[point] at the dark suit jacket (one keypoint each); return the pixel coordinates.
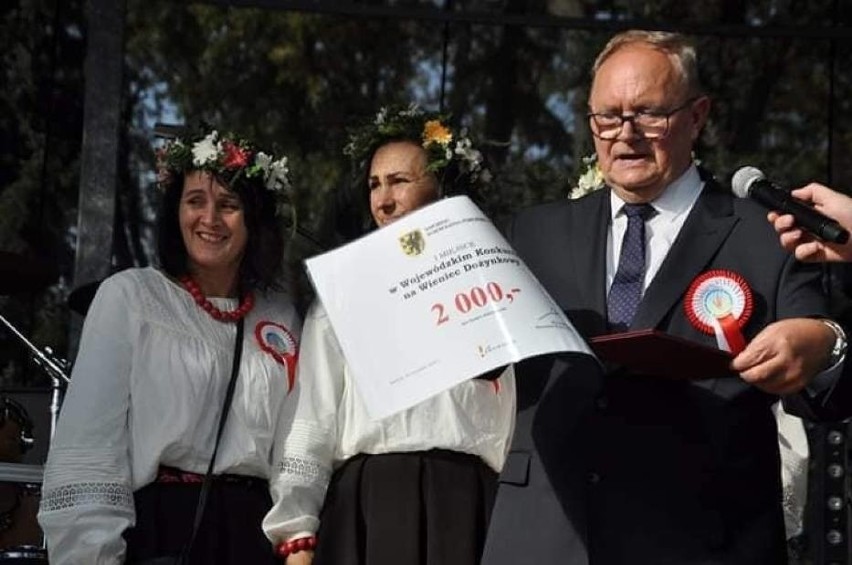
(622, 469)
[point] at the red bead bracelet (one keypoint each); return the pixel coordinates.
(286, 548)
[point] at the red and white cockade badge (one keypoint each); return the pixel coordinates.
(278, 341)
(719, 303)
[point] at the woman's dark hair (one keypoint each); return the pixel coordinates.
(263, 260)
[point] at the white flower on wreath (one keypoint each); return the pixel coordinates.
(277, 175)
(590, 180)
(412, 110)
(471, 158)
(206, 151)
(276, 179)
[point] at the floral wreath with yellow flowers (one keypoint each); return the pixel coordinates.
(229, 157)
(442, 146)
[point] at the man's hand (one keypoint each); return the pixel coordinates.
(784, 357)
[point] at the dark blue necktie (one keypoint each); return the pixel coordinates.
(626, 289)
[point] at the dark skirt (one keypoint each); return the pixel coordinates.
(230, 533)
(421, 508)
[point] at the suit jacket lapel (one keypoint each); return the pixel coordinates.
(704, 231)
(589, 227)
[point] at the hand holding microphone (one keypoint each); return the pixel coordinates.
(813, 222)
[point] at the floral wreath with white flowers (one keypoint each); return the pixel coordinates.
(442, 146)
(229, 157)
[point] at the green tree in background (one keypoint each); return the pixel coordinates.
(42, 47)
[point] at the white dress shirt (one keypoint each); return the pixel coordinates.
(672, 208)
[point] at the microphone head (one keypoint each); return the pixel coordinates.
(744, 178)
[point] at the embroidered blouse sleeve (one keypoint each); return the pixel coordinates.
(87, 497)
(303, 460)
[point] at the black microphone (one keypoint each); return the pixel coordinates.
(751, 182)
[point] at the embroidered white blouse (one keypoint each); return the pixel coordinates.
(146, 390)
(332, 424)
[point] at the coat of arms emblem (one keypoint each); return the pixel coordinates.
(412, 243)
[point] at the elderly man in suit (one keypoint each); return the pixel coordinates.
(613, 467)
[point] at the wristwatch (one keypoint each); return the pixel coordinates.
(838, 352)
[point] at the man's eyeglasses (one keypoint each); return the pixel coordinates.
(648, 124)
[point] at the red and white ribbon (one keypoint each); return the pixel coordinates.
(279, 342)
(719, 303)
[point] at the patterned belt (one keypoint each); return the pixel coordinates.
(174, 475)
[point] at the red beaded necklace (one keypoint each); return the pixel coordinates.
(246, 304)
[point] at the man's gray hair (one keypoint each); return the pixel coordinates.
(679, 49)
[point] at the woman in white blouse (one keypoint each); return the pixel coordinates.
(139, 422)
(415, 488)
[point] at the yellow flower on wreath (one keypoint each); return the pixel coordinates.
(442, 146)
(436, 132)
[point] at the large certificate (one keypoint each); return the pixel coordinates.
(431, 300)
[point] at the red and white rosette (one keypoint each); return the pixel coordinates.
(719, 303)
(279, 342)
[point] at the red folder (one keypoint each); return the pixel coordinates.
(654, 353)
